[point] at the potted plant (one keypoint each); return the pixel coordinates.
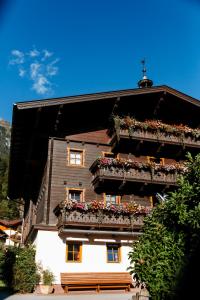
(47, 281)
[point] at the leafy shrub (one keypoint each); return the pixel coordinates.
(25, 275)
(8, 262)
(166, 258)
(19, 269)
(47, 277)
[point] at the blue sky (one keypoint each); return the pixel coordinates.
(52, 48)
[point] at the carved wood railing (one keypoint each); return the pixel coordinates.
(98, 220)
(156, 136)
(150, 176)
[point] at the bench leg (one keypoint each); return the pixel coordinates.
(98, 288)
(66, 289)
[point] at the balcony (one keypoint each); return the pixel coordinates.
(128, 130)
(119, 173)
(96, 215)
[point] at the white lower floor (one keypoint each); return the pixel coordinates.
(52, 252)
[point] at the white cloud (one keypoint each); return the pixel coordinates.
(34, 53)
(17, 57)
(51, 68)
(47, 54)
(17, 53)
(34, 70)
(39, 67)
(42, 85)
(22, 72)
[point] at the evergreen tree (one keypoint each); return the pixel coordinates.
(166, 258)
(8, 209)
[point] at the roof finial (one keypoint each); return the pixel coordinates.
(144, 68)
(144, 82)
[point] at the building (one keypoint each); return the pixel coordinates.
(89, 168)
(10, 232)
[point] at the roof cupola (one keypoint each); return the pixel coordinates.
(144, 82)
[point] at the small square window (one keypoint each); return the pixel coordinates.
(75, 157)
(112, 199)
(113, 253)
(156, 160)
(75, 195)
(73, 252)
(109, 155)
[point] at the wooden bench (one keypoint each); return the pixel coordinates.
(98, 280)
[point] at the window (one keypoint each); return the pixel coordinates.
(75, 157)
(156, 160)
(109, 154)
(74, 252)
(153, 200)
(112, 199)
(113, 253)
(75, 195)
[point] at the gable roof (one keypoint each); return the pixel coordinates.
(105, 95)
(35, 121)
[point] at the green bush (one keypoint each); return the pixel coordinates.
(47, 277)
(2, 258)
(25, 275)
(8, 262)
(19, 269)
(166, 258)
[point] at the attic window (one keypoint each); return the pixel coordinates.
(75, 157)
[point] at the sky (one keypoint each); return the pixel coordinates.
(55, 48)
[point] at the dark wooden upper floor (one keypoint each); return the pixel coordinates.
(34, 122)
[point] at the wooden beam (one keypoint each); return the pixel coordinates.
(47, 204)
(143, 186)
(180, 152)
(58, 117)
(165, 188)
(115, 107)
(122, 185)
(160, 146)
(157, 107)
(138, 146)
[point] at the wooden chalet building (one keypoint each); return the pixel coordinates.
(89, 168)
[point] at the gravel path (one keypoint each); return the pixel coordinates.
(70, 296)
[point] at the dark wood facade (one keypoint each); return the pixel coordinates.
(44, 132)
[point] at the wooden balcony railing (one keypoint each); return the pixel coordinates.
(128, 170)
(157, 136)
(135, 175)
(154, 131)
(75, 218)
(102, 218)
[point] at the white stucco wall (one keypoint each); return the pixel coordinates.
(51, 253)
(9, 232)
